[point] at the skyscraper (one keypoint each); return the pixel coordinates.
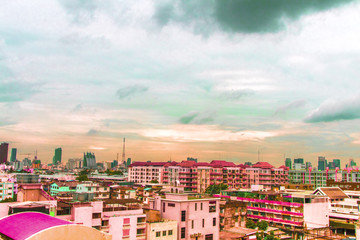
(4, 147)
(299, 160)
(89, 160)
(337, 163)
(288, 162)
(13, 155)
(57, 156)
(322, 163)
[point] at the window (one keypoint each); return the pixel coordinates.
(170, 232)
(203, 222)
(192, 224)
(195, 206)
(96, 215)
(214, 221)
(163, 207)
(157, 234)
(164, 233)
(209, 237)
(201, 206)
(183, 232)
(126, 232)
(171, 204)
(183, 216)
(126, 221)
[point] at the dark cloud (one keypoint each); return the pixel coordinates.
(330, 111)
(245, 16)
(92, 132)
(130, 91)
(197, 118)
(81, 11)
(236, 94)
(293, 105)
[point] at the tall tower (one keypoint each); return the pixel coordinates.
(13, 155)
(4, 148)
(123, 153)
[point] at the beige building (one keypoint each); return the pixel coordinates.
(164, 230)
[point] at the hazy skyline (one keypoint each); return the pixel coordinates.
(215, 79)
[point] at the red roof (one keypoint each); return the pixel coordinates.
(262, 165)
(140, 164)
(222, 163)
(20, 226)
(186, 164)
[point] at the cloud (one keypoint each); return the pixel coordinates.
(92, 132)
(11, 91)
(293, 105)
(236, 94)
(6, 122)
(197, 118)
(130, 91)
(81, 11)
(245, 16)
(336, 110)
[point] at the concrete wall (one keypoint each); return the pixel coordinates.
(316, 215)
(83, 215)
(72, 231)
(153, 228)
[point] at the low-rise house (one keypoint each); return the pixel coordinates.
(158, 228)
(197, 216)
(100, 191)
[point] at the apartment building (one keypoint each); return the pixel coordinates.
(123, 219)
(197, 177)
(197, 217)
(6, 190)
(146, 172)
(290, 210)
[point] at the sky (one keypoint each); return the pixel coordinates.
(238, 80)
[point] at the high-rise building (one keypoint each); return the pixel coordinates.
(128, 162)
(337, 163)
(4, 147)
(57, 156)
(322, 163)
(288, 162)
(13, 155)
(299, 160)
(89, 160)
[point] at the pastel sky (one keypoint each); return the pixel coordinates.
(212, 79)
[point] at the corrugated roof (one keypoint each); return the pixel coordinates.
(23, 225)
(331, 192)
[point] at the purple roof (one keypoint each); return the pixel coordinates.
(23, 225)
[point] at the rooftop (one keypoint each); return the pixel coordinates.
(23, 225)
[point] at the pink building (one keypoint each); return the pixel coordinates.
(196, 177)
(122, 218)
(198, 218)
(145, 172)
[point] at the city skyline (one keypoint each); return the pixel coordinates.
(213, 83)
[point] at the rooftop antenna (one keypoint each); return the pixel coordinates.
(36, 154)
(123, 154)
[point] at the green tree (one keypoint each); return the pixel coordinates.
(250, 224)
(216, 188)
(263, 225)
(82, 178)
(154, 181)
